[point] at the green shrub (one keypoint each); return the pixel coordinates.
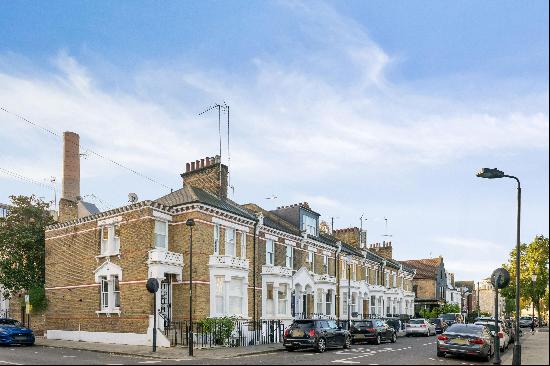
(219, 328)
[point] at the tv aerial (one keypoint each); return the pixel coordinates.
(132, 197)
(386, 234)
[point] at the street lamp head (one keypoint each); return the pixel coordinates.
(490, 173)
(190, 222)
(534, 277)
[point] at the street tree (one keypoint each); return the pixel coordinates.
(22, 247)
(533, 260)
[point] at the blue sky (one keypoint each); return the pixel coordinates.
(380, 108)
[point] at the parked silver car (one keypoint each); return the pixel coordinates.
(501, 332)
(466, 339)
(419, 326)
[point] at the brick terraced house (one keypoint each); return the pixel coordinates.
(282, 264)
(430, 283)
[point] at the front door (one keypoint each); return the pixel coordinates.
(166, 300)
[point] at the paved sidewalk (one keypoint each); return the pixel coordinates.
(534, 349)
(172, 353)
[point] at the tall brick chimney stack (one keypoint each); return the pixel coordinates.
(208, 174)
(70, 189)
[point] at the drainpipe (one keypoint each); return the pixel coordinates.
(337, 256)
(254, 273)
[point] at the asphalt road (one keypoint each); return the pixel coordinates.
(407, 351)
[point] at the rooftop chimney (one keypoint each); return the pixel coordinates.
(208, 174)
(70, 188)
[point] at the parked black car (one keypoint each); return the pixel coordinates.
(452, 318)
(372, 331)
(395, 323)
(319, 334)
(440, 325)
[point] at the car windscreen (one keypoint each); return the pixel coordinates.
(362, 324)
(491, 326)
(417, 321)
(465, 329)
(9, 323)
(448, 316)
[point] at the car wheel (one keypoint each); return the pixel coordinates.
(321, 345)
(378, 339)
(347, 343)
(394, 338)
(440, 354)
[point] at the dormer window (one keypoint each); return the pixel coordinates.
(309, 225)
(161, 234)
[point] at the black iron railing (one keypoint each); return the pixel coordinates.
(214, 333)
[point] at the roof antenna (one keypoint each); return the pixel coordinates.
(386, 234)
(225, 108)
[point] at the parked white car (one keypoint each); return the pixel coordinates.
(502, 334)
(419, 326)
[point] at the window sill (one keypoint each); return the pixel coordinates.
(106, 255)
(108, 312)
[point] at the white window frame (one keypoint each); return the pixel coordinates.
(216, 239)
(270, 252)
(319, 296)
(325, 264)
(104, 293)
(354, 272)
(282, 305)
(367, 273)
(289, 257)
(328, 302)
(161, 246)
(230, 242)
(219, 287)
(236, 295)
(109, 299)
(111, 244)
(311, 260)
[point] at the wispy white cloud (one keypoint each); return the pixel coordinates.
(295, 121)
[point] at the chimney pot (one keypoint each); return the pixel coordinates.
(187, 167)
(207, 161)
(202, 163)
(198, 164)
(192, 165)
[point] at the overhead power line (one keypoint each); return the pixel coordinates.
(34, 124)
(26, 179)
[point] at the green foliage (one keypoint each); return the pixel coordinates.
(533, 260)
(37, 297)
(220, 328)
(437, 311)
(22, 245)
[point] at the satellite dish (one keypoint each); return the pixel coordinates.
(132, 197)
